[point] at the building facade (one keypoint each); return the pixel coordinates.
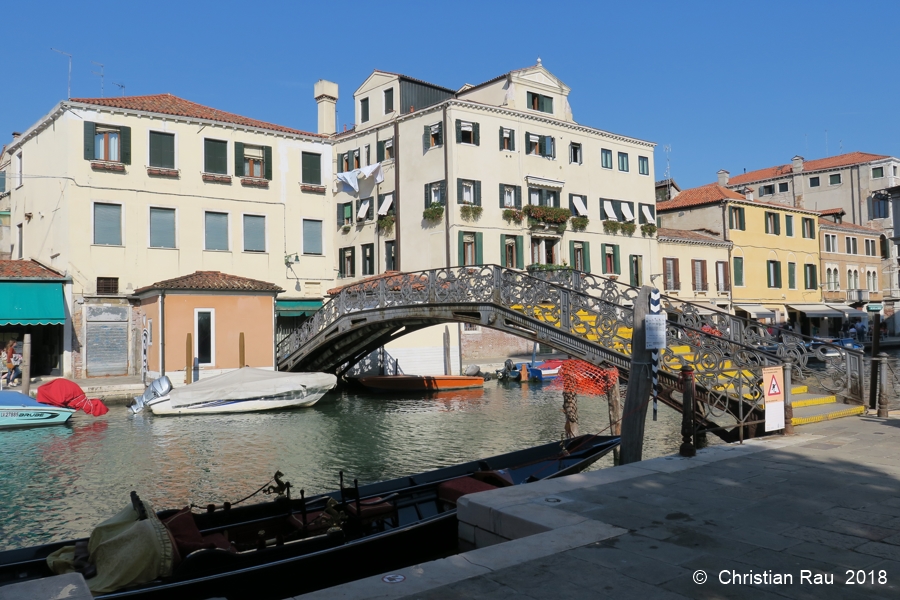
(695, 267)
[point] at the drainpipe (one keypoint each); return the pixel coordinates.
(859, 196)
(396, 202)
(162, 333)
(446, 185)
(852, 198)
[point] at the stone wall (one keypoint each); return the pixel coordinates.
(485, 343)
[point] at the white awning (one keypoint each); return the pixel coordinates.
(363, 210)
(609, 210)
(386, 204)
(626, 211)
(466, 126)
(756, 311)
(849, 310)
(544, 182)
(816, 310)
(579, 206)
(647, 214)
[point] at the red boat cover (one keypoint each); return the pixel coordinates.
(62, 392)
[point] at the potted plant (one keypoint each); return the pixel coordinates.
(648, 229)
(433, 213)
(513, 215)
(345, 228)
(470, 212)
(628, 228)
(386, 223)
(611, 227)
(550, 215)
(579, 223)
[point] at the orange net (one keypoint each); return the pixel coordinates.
(582, 377)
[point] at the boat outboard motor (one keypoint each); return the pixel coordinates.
(157, 389)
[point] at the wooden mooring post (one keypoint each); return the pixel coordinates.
(26, 364)
(188, 358)
(241, 360)
(876, 344)
(883, 411)
(637, 397)
(614, 399)
(687, 413)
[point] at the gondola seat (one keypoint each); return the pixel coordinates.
(370, 508)
(187, 538)
(451, 491)
(315, 522)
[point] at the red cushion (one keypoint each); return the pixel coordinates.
(370, 507)
(186, 534)
(314, 520)
(453, 490)
(219, 541)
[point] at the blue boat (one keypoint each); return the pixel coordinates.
(19, 410)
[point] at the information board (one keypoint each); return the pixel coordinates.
(655, 327)
(773, 390)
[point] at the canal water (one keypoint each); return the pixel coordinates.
(59, 482)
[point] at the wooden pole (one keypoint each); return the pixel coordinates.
(188, 359)
(614, 399)
(883, 411)
(639, 383)
(243, 363)
(687, 412)
(447, 350)
(26, 364)
(876, 343)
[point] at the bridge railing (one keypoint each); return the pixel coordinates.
(816, 363)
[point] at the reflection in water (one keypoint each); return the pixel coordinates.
(59, 482)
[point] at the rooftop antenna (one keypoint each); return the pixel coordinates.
(69, 86)
(121, 85)
(840, 146)
(667, 149)
(100, 74)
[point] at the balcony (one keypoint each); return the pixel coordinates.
(857, 296)
(834, 295)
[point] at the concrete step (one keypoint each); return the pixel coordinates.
(825, 412)
(802, 400)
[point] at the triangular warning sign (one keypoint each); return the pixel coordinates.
(774, 389)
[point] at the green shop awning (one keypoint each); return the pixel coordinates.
(297, 308)
(31, 303)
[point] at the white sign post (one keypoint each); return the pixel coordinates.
(655, 327)
(773, 390)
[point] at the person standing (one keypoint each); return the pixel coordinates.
(13, 363)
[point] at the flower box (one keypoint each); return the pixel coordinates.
(161, 172)
(254, 182)
(101, 165)
(214, 178)
(312, 189)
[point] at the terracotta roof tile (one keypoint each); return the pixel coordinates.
(22, 269)
(685, 234)
(394, 279)
(168, 104)
(698, 196)
(819, 164)
(848, 226)
(832, 211)
(212, 281)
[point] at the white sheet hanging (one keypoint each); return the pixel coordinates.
(350, 178)
(363, 210)
(579, 206)
(626, 211)
(386, 204)
(609, 210)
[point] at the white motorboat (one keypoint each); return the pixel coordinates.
(19, 410)
(241, 390)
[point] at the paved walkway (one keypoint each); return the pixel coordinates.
(822, 504)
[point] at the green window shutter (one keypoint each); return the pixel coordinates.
(631, 269)
(512, 139)
(2, 181)
(572, 203)
(806, 281)
(425, 139)
(427, 195)
(603, 257)
(311, 168)
(125, 141)
(353, 261)
(501, 138)
(379, 151)
(267, 162)
(479, 254)
(340, 214)
(617, 268)
(238, 159)
(815, 279)
(459, 190)
(778, 274)
(738, 271)
(767, 223)
(503, 251)
(461, 248)
(586, 248)
(789, 225)
(572, 253)
(444, 192)
(730, 218)
(520, 254)
(812, 229)
(777, 224)
(519, 197)
(528, 143)
(458, 131)
(542, 145)
(556, 199)
(476, 134)
(340, 163)
(502, 195)
(440, 137)
(90, 130)
(477, 193)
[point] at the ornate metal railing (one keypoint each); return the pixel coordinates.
(818, 364)
(598, 312)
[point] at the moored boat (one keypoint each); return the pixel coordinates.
(19, 410)
(295, 545)
(545, 371)
(420, 383)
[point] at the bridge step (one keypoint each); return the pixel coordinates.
(802, 400)
(825, 412)
(799, 389)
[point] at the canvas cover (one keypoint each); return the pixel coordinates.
(247, 383)
(62, 392)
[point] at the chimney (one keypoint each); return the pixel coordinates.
(326, 95)
(16, 134)
(723, 177)
(797, 164)
(748, 193)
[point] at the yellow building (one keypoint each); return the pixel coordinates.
(774, 258)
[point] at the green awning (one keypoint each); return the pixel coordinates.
(297, 308)
(31, 303)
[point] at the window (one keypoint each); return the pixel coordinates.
(365, 209)
(880, 206)
(107, 224)
(254, 160)
(216, 224)
(575, 153)
(2, 182)
(870, 247)
(809, 228)
(792, 276)
(877, 172)
(623, 161)
(507, 139)
(647, 213)
(894, 170)
(107, 286)
(385, 204)
(468, 192)
(766, 190)
(544, 251)
(20, 241)
(773, 223)
(215, 157)
(872, 281)
(834, 179)
(512, 251)
(467, 133)
(773, 272)
(162, 227)
(832, 282)
(617, 210)
(364, 110)
(670, 274)
(311, 168)
(353, 159)
(610, 253)
(636, 270)
(851, 245)
(388, 100)
(578, 205)
(470, 252)
(736, 218)
(643, 165)
(722, 277)
(578, 256)
(254, 233)
(539, 102)
(469, 249)
(435, 193)
(809, 277)
(543, 197)
(433, 136)
(698, 275)
(162, 150)
(830, 242)
(204, 334)
(606, 158)
(789, 225)
(312, 237)
(106, 143)
(852, 279)
(813, 182)
(368, 259)
(540, 145)
(738, 271)
(390, 257)
(20, 176)
(782, 187)
(533, 143)
(510, 196)
(347, 262)
(344, 213)
(385, 150)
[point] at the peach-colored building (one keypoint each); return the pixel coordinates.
(214, 308)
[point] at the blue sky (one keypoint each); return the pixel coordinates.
(723, 84)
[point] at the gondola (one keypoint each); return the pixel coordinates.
(289, 546)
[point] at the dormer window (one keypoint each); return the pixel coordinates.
(364, 110)
(540, 102)
(388, 100)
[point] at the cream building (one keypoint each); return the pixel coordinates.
(694, 267)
